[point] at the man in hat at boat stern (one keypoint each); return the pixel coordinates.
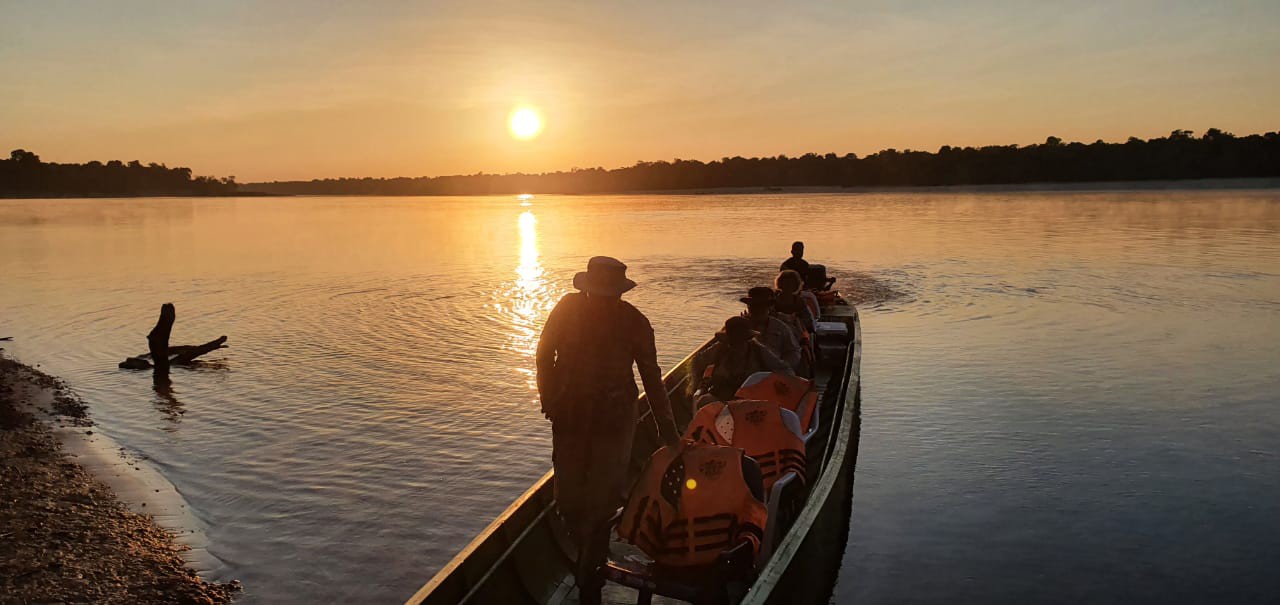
(588, 391)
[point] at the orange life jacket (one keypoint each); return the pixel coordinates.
(757, 428)
(791, 392)
(691, 504)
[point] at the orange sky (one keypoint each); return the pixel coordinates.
(299, 90)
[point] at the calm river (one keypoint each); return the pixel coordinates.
(1068, 396)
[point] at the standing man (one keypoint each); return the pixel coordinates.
(797, 262)
(588, 391)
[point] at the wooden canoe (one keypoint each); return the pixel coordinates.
(523, 556)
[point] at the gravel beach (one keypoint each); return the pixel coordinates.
(64, 536)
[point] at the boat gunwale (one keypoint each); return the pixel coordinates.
(792, 541)
(492, 530)
(489, 531)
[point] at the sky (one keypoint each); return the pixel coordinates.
(283, 90)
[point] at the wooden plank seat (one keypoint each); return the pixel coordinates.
(725, 580)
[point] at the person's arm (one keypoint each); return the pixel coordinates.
(806, 316)
(646, 356)
(789, 349)
(697, 369)
(771, 362)
(548, 378)
(811, 301)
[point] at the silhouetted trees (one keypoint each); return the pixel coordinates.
(1216, 154)
(24, 175)
(1181, 155)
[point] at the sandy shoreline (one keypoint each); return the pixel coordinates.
(65, 536)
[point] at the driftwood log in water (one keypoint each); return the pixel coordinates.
(185, 354)
(161, 354)
(158, 338)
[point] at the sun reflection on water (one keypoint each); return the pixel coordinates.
(528, 299)
(530, 270)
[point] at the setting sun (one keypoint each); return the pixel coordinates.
(525, 123)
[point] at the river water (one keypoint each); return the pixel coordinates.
(1068, 396)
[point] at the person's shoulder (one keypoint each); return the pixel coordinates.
(632, 312)
(567, 304)
(571, 299)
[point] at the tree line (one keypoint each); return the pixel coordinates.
(1181, 155)
(24, 175)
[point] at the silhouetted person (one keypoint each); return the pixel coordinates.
(588, 391)
(790, 307)
(721, 368)
(797, 262)
(773, 332)
(793, 299)
(817, 281)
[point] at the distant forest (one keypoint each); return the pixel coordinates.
(24, 175)
(1181, 155)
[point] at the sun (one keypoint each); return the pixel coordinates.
(525, 123)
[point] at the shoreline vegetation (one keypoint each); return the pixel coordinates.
(1181, 156)
(64, 535)
(24, 175)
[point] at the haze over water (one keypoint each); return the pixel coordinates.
(1072, 397)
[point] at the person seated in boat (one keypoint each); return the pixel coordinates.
(774, 332)
(789, 293)
(721, 368)
(797, 262)
(693, 502)
(791, 282)
(791, 309)
(816, 280)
